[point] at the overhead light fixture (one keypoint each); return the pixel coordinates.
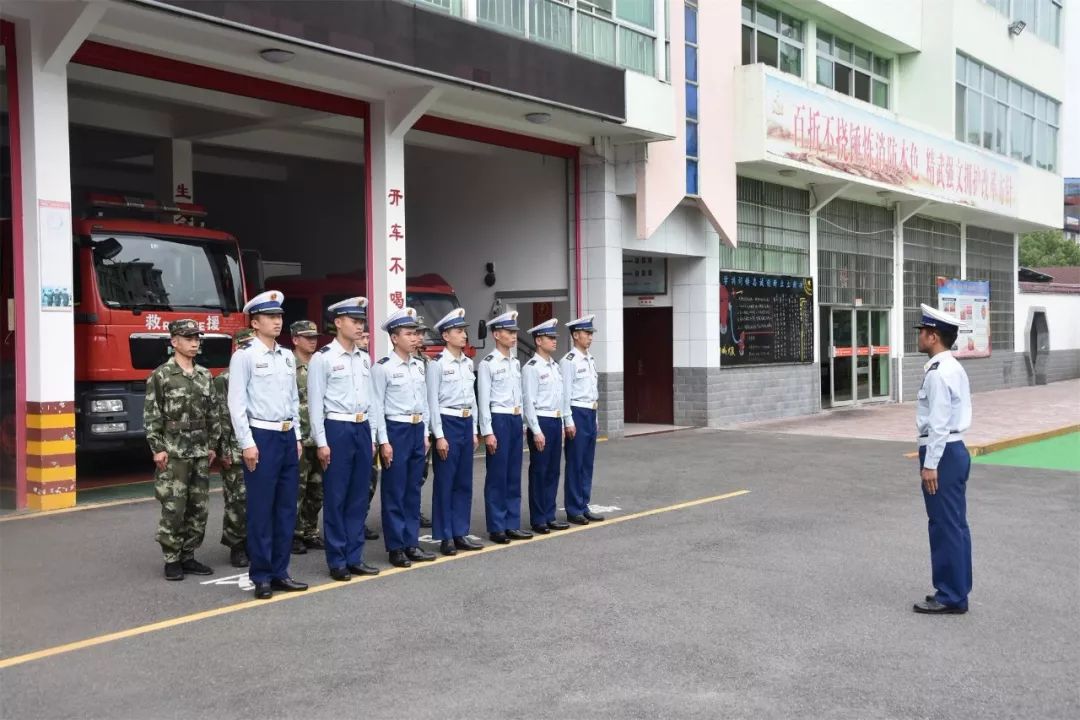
(1017, 27)
(538, 118)
(787, 173)
(277, 56)
(884, 193)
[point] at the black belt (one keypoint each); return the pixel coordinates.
(951, 432)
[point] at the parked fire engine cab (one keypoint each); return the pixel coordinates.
(138, 265)
(307, 299)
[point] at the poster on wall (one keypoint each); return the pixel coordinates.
(644, 275)
(766, 319)
(969, 302)
(54, 241)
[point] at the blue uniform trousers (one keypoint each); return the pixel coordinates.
(271, 504)
(502, 484)
(544, 471)
(580, 453)
(345, 492)
(950, 538)
(399, 490)
(451, 500)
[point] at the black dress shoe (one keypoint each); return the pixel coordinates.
(558, 525)
(516, 534)
(446, 547)
(578, 519)
(500, 538)
(933, 607)
(541, 529)
(425, 521)
(298, 546)
(340, 574)
(592, 517)
(314, 543)
(192, 566)
(263, 591)
(238, 557)
(287, 584)
(174, 571)
(370, 534)
(418, 555)
(463, 543)
(363, 569)
(399, 559)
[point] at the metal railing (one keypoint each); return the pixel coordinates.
(567, 25)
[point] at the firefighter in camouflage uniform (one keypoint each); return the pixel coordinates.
(234, 524)
(182, 428)
(305, 338)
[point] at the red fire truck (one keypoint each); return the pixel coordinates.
(138, 265)
(307, 299)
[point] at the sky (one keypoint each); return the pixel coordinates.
(1070, 161)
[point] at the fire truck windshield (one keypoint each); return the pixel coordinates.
(431, 308)
(167, 273)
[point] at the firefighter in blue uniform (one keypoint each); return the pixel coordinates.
(264, 406)
(343, 411)
(401, 392)
(542, 395)
(580, 400)
(499, 407)
(452, 404)
(942, 415)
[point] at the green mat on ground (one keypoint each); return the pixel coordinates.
(1056, 453)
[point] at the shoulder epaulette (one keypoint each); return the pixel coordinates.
(569, 356)
(384, 360)
(324, 348)
(438, 357)
(489, 358)
(934, 366)
(531, 362)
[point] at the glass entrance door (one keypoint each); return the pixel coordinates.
(858, 365)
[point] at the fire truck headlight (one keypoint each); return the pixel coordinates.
(107, 406)
(106, 428)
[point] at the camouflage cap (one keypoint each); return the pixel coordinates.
(304, 328)
(243, 335)
(184, 328)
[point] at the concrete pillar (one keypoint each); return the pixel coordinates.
(601, 279)
(47, 274)
(174, 173)
(389, 121)
(695, 285)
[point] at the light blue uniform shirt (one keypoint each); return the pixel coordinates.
(541, 389)
(579, 381)
(339, 381)
(262, 386)
(498, 385)
(400, 389)
(943, 407)
(450, 385)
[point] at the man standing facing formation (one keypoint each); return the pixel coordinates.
(265, 409)
(234, 522)
(452, 404)
(942, 415)
(499, 406)
(305, 338)
(579, 407)
(182, 429)
(343, 417)
(542, 394)
(401, 392)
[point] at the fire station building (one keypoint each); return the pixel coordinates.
(753, 197)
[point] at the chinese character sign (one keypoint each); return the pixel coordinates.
(969, 302)
(765, 319)
(812, 129)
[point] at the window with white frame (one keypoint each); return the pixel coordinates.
(852, 69)
(1043, 17)
(771, 37)
(998, 113)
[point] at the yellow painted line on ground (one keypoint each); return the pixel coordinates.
(1012, 442)
(333, 585)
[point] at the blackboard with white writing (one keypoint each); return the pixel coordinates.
(765, 319)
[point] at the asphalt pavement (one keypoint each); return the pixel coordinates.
(790, 601)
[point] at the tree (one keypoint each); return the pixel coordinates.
(1048, 248)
